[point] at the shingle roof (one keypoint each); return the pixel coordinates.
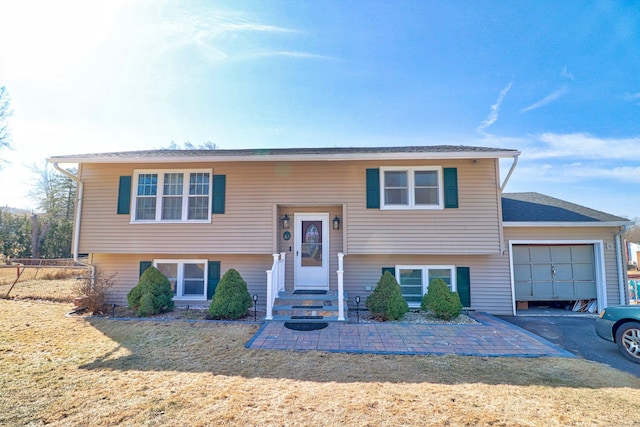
(268, 153)
(536, 207)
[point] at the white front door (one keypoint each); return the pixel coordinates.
(311, 251)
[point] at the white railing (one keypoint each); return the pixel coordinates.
(275, 282)
(340, 287)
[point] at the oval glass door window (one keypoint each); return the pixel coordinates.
(312, 243)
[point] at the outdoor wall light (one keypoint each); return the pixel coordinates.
(336, 223)
(255, 307)
(285, 221)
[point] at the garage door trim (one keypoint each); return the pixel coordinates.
(598, 255)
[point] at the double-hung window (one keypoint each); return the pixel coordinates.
(172, 196)
(414, 280)
(187, 277)
(411, 187)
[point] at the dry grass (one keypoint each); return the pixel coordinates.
(96, 371)
(43, 288)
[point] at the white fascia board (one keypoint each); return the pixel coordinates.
(567, 224)
(284, 157)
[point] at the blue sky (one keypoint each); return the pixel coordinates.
(559, 81)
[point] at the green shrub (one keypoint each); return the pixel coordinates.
(386, 302)
(232, 299)
(440, 301)
(152, 294)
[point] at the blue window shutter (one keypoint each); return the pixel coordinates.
(373, 188)
(144, 265)
(450, 187)
(217, 198)
(213, 278)
(463, 285)
(124, 195)
(391, 270)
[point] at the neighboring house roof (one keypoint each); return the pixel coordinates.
(335, 153)
(535, 209)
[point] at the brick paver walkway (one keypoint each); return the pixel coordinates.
(491, 337)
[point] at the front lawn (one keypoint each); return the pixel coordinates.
(97, 371)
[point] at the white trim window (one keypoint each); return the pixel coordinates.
(172, 196)
(188, 277)
(414, 280)
(411, 187)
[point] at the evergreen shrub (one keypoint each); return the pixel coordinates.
(231, 299)
(152, 294)
(440, 301)
(386, 302)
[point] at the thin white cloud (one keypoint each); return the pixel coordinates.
(285, 54)
(583, 146)
(494, 110)
(547, 99)
(633, 97)
(572, 173)
(566, 73)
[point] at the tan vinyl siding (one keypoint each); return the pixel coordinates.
(490, 280)
(255, 189)
(605, 234)
(490, 285)
(252, 268)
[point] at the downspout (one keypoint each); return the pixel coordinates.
(513, 167)
(622, 272)
(76, 225)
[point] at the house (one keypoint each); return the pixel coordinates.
(334, 219)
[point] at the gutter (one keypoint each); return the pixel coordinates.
(76, 225)
(622, 270)
(513, 167)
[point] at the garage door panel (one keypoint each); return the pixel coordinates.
(543, 291)
(524, 290)
(582, 254)
(522, 272)
(540, 254)
(564, 290)
(541, 272)
(521, 255)
(561, 254)
(554, 272)
(563, 271)
(585, 290)
(584, 271)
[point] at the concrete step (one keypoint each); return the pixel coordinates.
(306, 310)
(313, 319)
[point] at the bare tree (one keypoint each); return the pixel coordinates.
(633, 232)
(5, 112)
(208, 145)
(55, 194)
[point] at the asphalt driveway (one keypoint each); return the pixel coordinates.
(578, 336)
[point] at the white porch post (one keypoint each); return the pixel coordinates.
(340, 287)
(272, 290)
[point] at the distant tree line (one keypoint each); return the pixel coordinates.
(47, 234)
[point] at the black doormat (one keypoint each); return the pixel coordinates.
(310, 292)
(305, 307)
(305, 326)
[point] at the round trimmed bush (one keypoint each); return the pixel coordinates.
(152, 294)
(386, 302)
(232, 299)
(440, 301)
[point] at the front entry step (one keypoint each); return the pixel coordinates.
(314, 307)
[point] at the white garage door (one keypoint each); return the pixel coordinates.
(554, 272)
